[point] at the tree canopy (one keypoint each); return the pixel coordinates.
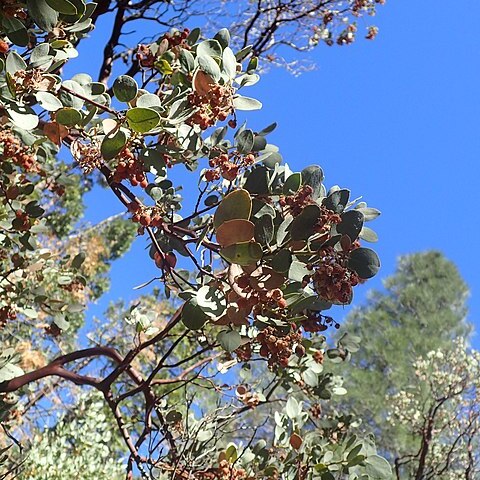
(219, 370)
(421, 310)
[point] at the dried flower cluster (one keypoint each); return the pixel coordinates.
(12, 149)
(26, 81)
(332, 279)
(225, 471)
(87, 155)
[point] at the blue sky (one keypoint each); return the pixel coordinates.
(394, 120)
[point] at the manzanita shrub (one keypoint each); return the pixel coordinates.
(251, 268)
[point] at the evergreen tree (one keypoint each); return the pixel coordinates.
(423, 308)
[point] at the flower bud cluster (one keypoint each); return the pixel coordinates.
(178, 39)
(12, 149)
(228, 166)
(215, 105)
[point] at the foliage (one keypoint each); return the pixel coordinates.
(423, 308)
(441, 410)
(268, 250)
(80, 444)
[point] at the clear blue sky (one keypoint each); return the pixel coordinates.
(395, 120)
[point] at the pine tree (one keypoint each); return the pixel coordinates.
(422, 308)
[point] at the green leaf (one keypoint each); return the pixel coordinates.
(223, 37)
(310, 378)
(246, 103)
(337, 201)
(22, 116)
(15, 31)
(193, 317)
(302, 227)
(298, 271)
(95, 89)
(292, 184)
(235, 231)
(368, 235)
(112, 145)
(281, 261)
(34, 210)
(229, 63)
(142, 120)
(14, 62)
(252, 64)
(211, 200)
(78, 260)
(211, 300)
(245, 141)
(293, 408)
(230, 340)
(187, 61)
(194, 36)
(369, 213)
(260, 208)
(208, 65)
(209, 48)
(48, 101)
(8, 369)
(264, 230)
(259, 143)
(68, 116)
(257, 181)
(364, 262)
(30, 312)
(377, 467)
(41, 57)
(148, 100)
(44, 16)
(236, 205)
(266, 278)
(243, 53)
(63, 6)
(125, 88)
(70, 100)
(313, 176)
(351, 224)
(247, 253)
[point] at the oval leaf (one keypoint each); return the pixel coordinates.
(113, 145)
(351, 224)
(193, 316)
(365, 262)
(142, 120)
(236, 205)
(68, 116)
(246, 103)
(63, 6)
(247, 253)
(230, 340)
(125, 88)
(235, 231)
